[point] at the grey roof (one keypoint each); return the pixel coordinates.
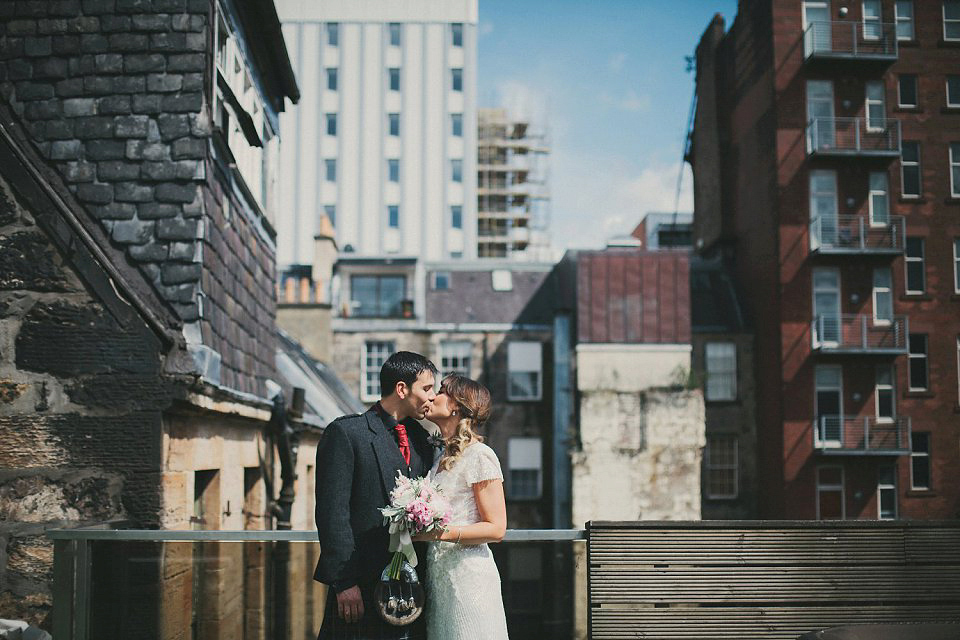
(471, 298)
(713, 298)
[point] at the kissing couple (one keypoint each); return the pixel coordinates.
(358, 460)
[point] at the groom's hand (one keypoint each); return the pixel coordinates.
(350, 604)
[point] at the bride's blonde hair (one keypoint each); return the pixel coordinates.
(473, 400)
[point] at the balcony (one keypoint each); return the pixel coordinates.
(859, 334)
(856, 235)
(845, 137)
(849, 40)
(862, 435)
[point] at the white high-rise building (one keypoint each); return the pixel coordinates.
(384, 139)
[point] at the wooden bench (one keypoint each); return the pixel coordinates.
(767, 579)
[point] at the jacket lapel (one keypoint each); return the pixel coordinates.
(388, 455)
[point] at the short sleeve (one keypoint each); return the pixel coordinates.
(482, 465)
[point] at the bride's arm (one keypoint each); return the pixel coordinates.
(493, 517)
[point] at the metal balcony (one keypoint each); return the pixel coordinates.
(859, 334)
(853, 137)
(851, 40)
(856, 235)
(862, 435)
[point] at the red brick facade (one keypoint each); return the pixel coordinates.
(753, 156)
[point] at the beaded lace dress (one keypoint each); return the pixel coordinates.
(463, 585)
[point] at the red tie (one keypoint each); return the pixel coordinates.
(403, 443)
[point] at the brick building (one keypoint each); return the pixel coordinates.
(825, 153)
(139, 357)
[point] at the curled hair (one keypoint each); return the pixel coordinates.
(474, 404)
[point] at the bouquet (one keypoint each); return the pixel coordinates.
(416, 506)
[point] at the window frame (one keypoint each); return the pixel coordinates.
(393, 119)
(898, 19)
(333, 79)
(874, 193)
(733, 387)
(918, 355)
(947, 92)
(456, 216)
(512, 348)
(456, 34)
(953, 151)
(394, 34)
(435, 280)
(909, 259)
(878, 290)
(333, 34)
(916, 91)
(393, 170)
(711, 466)
(913, 165)
(456, 170)
(393, 216)
(456, 79)
(946, 21)
(887, 486)
(914, 454)
(823, 487)
(456, 125)
(365, 373)
(512, 466)
(875, 29)
(329, 209)
(330, 127)
(330, 169)
(886, 387)
(393, 79)
(956, 265)
(460, 350)
(881, 101)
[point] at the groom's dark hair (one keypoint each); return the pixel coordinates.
(403, 366)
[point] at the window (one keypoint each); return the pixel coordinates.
(523, 585)
(830, 494)
(876, 112)
(393, 170)
(903, 12)
(393, 216)
(953, 91)
(913, 262)
(823, 207)
(721, 366)
(331, 212)
(394, 75)
(879, 202)
(918, 361)
(456, 31)
(331, 124)
(501, 279)
(872, 29)
(333, 34)
(330, 170)
(951, 19)
(828, 405)
(393, 123)
(457, 77)
(955, 169)
(332, 79)
(377, 296)
(958, 367)
(884, 394)
(524, 456)
(441, 280)
(887, 492)
(524, 360)
(455, 357)
(394, 28)
(920, 460)
(722, 467)
(456, 124)
(375, 353)
(456, 216)
(956, 265)
(882, 296)
(456, 170)
(910, 170)
(907, 91)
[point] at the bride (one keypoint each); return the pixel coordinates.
(463, 584)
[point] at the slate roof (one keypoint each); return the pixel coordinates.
(472, 299)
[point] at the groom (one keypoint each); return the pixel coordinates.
(357, 464)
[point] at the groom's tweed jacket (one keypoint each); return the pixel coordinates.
(357, 464)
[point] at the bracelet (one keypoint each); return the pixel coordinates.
(459, 532)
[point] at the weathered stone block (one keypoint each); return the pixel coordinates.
(42, 109)
(196, 42)
(37, 46)
(74, 107)
(184, 251)
(173, 126)
(157, 210)
(144, 63)
(132, 231)
(187, 148)
(133, 192)
(49, 26)
(177, 229)
(172, 41)
(189, 169)
(200, 125)
(164, 82)
(186, 22)
(21, 27)
(114, 211)
(65, 150)
(83, 24)
(105, 149)
(78, 171)
(131, 126)
(152, 252)
(66, 45)
(151, 22)
(95, 7)
(163, 170)
(115, 24)
(128, 41)
(182, 102)
(69, 88)
(129, 84)
(180, 273)
(133, 6)
(114, 170)
(50, 68)
(186, 62)
(114, 105)
(149, 104)
(81, 66)
(175, 192)
(98, 85)
(192, 82)
(156, 152)
(34, 91)
(94, 43)
(95, 193)
(91, 127)
(189, 312)
(109, 62)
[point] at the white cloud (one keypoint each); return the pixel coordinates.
(617, 61)
(631, 102)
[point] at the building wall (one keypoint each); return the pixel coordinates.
(425, 146)
(310, 325)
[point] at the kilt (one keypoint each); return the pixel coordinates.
(370, 626)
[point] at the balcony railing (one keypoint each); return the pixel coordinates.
(851, 40)
(862, 435)
(853, 137)
(856, 235)
(859, 333)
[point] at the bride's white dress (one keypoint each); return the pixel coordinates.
(463, 584)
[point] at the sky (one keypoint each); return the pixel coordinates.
(609, 79)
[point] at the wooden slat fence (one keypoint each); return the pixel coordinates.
(767, 580)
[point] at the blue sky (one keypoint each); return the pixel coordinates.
(608, 77)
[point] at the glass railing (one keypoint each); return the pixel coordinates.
(229, 585)
(862, 435)
(853, 137)
(851, 39)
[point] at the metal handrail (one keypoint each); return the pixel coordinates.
(861, 433)
(857, 233)
(859, 331)
(271, 535)
(846, 135)
(851, 38)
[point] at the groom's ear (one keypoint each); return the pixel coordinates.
(401, 389)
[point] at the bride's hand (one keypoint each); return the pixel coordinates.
(428, 537)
